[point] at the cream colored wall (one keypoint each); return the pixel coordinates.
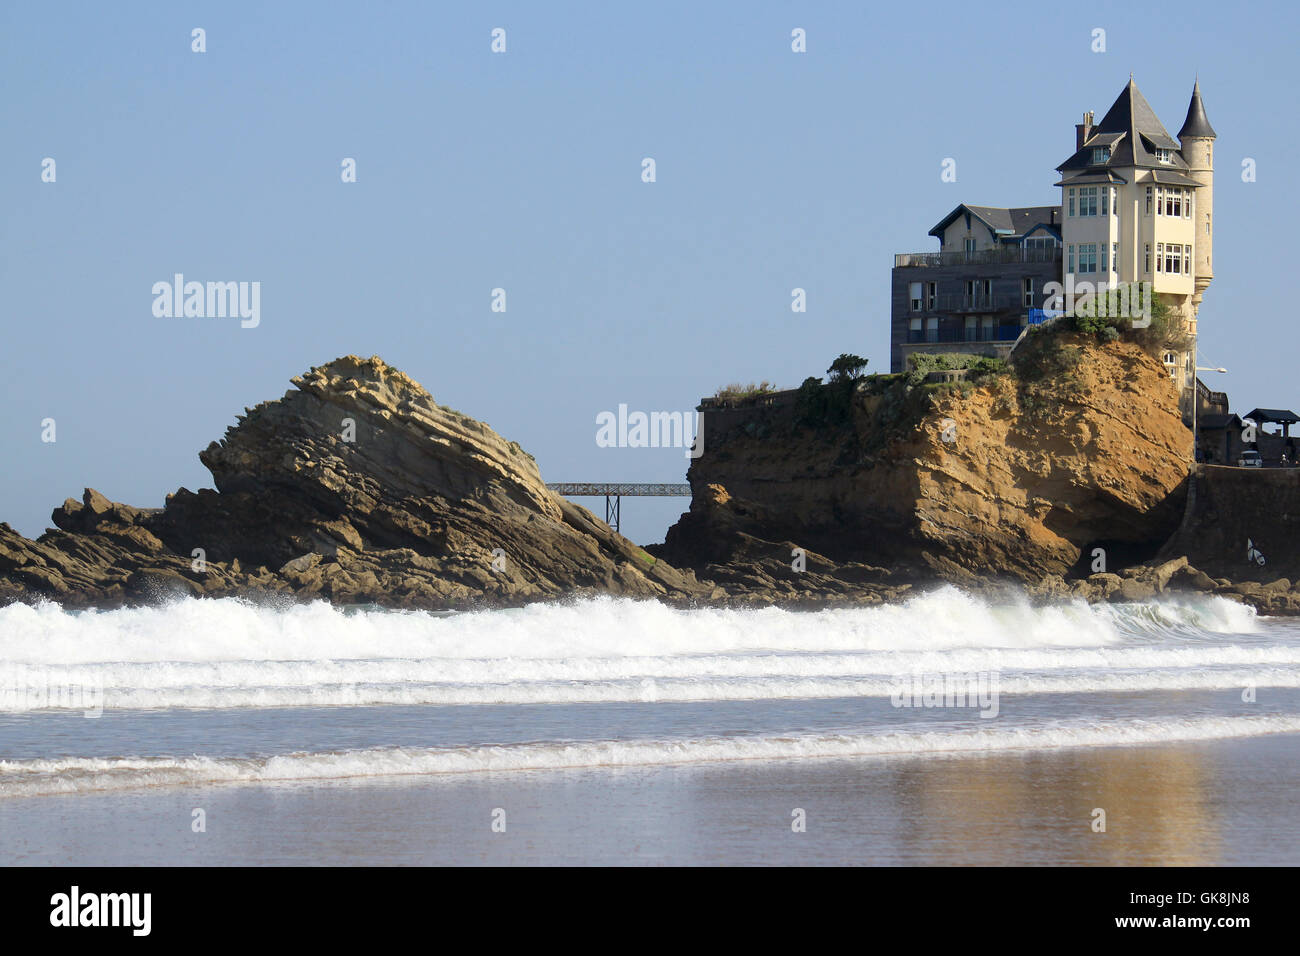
(1080, 230)
(956, 233)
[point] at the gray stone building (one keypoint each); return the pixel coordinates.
(976, 293)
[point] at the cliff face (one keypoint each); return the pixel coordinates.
(1020, 477)
(355, 486)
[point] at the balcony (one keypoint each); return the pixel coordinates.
(996, 333)
(1001, 254)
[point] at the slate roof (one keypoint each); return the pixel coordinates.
(1006, 224)
(1279, 415)
(1196, 124)
(1169, 177)
(1133, 131)
(1094, 176)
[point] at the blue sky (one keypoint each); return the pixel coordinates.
(522, 170)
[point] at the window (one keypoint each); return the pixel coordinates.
(932, 295)
(1171, 363)
(914, 295)
(1105, 195)
(1207, 223)
(1071, 194)
(1070, 266)
(1160, 257)
(1088, 257)
(1187, 260)
(969, 246)
(1173, 259)
(1187, 204)
(1114, 257)
(1088, 201)
(1165, 156)
(1160, 200)
(1105, 266)
(1029, 293)
(1146, 258)
(1176, 203)
(1148, 200)
(1100, 154)
(988, 289)
(932, 330)
(971, 332)
(914, 330)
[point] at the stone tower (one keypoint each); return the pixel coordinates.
(1197, 142)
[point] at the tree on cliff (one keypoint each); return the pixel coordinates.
(847, 368)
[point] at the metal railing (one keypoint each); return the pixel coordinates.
(1001, 254)
(997, 333)
(599, 489)
(965, 302)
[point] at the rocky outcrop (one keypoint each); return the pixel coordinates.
(356, 487)
(1020, 477)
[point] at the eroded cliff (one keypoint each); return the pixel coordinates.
(357, 487)
(1020, 475)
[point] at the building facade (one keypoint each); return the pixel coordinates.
(1136, 205)
(975, 294)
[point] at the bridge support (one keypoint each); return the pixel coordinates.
(613, 493)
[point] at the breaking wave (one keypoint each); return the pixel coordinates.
(44, 777)
(233, 654)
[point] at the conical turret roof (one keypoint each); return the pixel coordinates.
(1196, 124)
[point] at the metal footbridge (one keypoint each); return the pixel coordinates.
(613, 493)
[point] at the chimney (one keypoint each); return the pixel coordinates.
(1083, 130)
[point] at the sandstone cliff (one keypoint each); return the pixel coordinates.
(1019, 476)
(355, 486)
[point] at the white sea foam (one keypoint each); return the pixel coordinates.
(227, 654)
(26, 778)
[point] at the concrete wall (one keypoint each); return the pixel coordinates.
(1226, 507)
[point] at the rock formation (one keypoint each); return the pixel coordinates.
(357, 487)
(1021, 476)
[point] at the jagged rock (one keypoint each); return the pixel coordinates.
(1036, 474)
(357, 487)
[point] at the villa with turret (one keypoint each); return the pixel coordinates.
(1136, 205)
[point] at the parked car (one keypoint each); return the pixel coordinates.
(1250, 459)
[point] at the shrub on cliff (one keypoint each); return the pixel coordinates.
(736, 392)
(1110, 317)
(920, 365)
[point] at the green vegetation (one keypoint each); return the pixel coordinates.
(818, 405)
(735, 392)
(846, 368)
(921, 364)
(1109, 317)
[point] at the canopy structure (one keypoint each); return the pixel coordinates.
(1280, 416)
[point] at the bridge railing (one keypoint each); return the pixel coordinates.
(631, 489)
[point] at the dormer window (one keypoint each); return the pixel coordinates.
(1100, 154)
(1165, 156)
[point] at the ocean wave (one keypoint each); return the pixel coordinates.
(42, 777)
(197, 631)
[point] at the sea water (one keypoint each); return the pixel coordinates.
(609, 731)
